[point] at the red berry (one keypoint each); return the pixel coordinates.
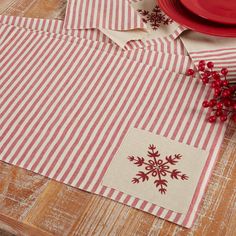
(213, 84)
(212, 103)
(210, 65)
(213, 73)
(217, 92)
(227, 102)
(218, 83)
(223, 118)
(234, 106)
(233, 88)
(224, 71)
(207, 73)
(216, 76)
(205, 104)
(226, 93)
(225, 83)
(201, 67)
(205, 80)
(212, 119)
(219, 112)
(190, 72)
(202, 62)
(219, 105)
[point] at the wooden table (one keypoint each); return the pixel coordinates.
(34, 205)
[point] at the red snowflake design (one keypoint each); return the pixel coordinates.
(157, 168)
(156, 17)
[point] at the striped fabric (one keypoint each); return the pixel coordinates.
(108, 14)
(66, 107)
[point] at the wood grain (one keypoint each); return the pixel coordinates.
(34, 205)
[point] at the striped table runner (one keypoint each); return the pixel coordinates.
(66, 107)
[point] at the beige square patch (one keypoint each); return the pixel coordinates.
(156, 169)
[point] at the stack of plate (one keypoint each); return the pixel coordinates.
(215, 17)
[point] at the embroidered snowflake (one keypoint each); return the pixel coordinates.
(156, 17)
(157, 168)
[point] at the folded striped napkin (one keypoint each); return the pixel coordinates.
(220, 50)
(67, 104)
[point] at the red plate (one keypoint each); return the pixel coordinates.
(175, 10)
(222, 11)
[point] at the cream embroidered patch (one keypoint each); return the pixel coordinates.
(156, 169)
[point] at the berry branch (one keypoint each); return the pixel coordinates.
(223, 104)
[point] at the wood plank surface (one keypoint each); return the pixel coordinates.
(31, 204)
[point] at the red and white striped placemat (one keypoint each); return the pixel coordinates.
(66, 107)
